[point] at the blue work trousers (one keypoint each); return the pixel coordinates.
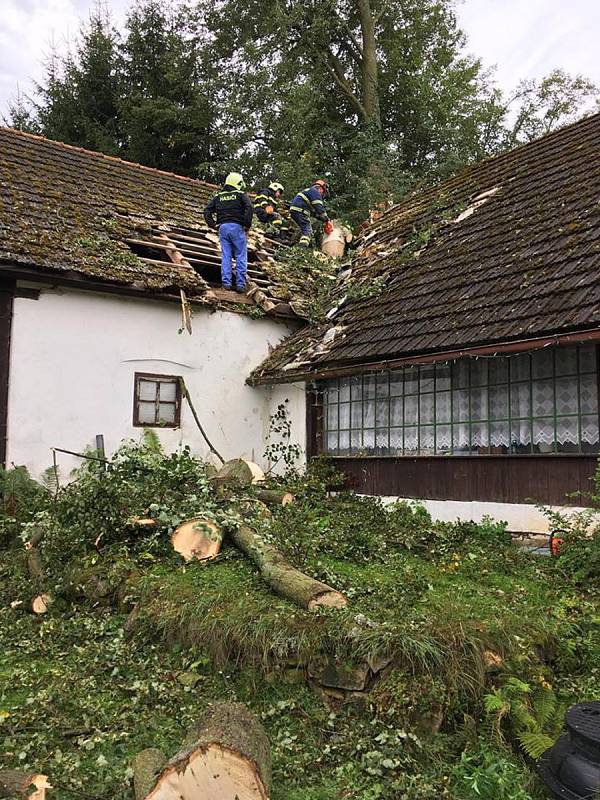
(233, 245)
(303, 222)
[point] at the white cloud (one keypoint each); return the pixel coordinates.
(28, 31)
(524, 38)
(530, 38)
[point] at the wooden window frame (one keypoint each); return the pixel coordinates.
(156, 378)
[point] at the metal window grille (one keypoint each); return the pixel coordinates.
(156, 401)
(545, 401)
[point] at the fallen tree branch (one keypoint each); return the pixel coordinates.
(284, 579)
(186, 394)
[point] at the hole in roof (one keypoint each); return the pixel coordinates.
(199, 248)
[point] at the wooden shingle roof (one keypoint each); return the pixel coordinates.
(506, 250)
(71, 211)
(63, 208)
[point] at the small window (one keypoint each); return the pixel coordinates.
(156, 401)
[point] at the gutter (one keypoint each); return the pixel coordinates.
(501, 348)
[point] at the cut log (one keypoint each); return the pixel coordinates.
(197, 539)
(36, 538)
(284, 579)
(147, 766)
(34, 565)
(239, 472)
(274, 497)
(141, 522)
(229, 758)
(41, 603)
(17, 783)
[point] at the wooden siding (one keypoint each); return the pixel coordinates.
(7, 290)
(501, 479)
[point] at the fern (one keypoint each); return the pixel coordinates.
(533, 716)
(151, 442)
(544, 705)
(535, 743)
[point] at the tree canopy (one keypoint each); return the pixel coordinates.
(373, 94)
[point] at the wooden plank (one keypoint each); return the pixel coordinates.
(503, 479)
(200, 248)
(231, 296)
(171, 245)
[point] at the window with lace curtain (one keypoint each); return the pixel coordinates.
(545, 401)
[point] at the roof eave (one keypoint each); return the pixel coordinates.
(498, 348)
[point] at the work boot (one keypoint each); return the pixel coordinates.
(241, 289)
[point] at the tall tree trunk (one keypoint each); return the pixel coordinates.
(370, 75)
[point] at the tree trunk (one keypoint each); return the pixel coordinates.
(284, 579)
(238, 473)
(15, 783)
(34, 565)
(370, 70)
(228, 757)
(41, 603)
(197, 539)
(146, 766)
(274, 497)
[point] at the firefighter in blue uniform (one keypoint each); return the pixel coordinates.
(233, 209)
(310, 202)
(265, 208)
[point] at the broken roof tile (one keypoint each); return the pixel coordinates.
(523, 263)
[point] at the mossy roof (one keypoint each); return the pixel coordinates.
(505, 250)
(65, 209)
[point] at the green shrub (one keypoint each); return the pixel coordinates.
(490, 774)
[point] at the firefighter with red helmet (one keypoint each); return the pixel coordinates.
(310, 203)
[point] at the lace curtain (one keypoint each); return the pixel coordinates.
(545, 401)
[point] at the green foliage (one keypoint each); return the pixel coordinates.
(280, 448)
(293, 91)
(427, 599)
(313, 277)
(534, 716)
(580, 532)
(21, 497)
(486, 773)
(143, 93)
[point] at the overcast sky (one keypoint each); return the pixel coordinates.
(523, 38)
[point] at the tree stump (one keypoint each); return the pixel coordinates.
(197, 539)
(238, 472)
(41, 603)
(16, 783)
(228, 758)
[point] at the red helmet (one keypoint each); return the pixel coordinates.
(322, 185)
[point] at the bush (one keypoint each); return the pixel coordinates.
(580, 532)
(487, 773)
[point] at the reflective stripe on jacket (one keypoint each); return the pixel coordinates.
(309, 201)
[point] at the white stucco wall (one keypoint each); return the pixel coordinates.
(519, 517)
(73, 359)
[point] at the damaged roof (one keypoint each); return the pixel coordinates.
(71, 211)
(505, 250)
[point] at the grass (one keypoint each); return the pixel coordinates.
(78, 698)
